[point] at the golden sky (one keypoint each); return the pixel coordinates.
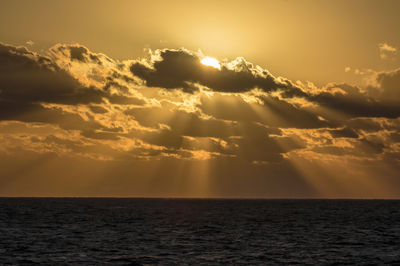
(274, 99)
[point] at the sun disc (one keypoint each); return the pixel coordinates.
(210, 61)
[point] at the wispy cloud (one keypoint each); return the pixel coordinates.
(386, 51)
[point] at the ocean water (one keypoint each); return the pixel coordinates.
(104, 231)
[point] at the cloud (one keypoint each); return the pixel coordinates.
(350, 101)
(386, 51)
(387, 86)
(360, 72)
(27, 77)
(29, 82)
(172, 106)
(182, 69)
(78, 52)
(174, 69)
(234, 125)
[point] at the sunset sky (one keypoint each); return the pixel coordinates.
(242, 99)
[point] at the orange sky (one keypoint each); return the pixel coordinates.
(297, 99)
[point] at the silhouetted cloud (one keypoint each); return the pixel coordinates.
(350, 101)
(28, 77)
(180, 69)
(29, 80)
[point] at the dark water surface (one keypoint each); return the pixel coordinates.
(92, 231)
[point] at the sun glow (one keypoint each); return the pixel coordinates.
(210, 61)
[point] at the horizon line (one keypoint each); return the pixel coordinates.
(187, 198)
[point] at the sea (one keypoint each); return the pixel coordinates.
(133, 231)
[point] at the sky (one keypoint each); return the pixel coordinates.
(236, 99)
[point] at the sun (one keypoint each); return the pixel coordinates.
(210, 61)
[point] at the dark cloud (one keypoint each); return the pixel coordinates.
(32, 112)
(181, 68)
(357, 106)
(339, 102)
(379, 100)
(343, 133)
(29, 78)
